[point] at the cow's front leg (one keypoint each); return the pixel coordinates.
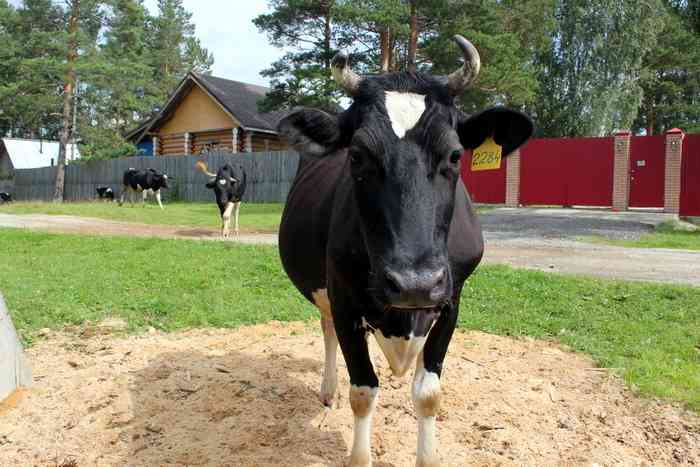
(364, 388)
(160, 203)
(226, 220)
(426, 390)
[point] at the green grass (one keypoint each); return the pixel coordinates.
(650, 332)
(666, 235)
(263, 217)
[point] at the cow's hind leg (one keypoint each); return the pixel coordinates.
(330, 341)
(426, 389)
(235, 220)
(125, 189)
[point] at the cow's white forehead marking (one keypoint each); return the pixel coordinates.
(404, 110)
(222, 181)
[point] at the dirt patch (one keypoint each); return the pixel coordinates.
(249, 398)
(93, 226)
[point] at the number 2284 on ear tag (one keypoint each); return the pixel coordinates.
(487, 156)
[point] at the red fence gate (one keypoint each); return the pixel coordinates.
(484, 186)
(690, 176)
(647, 165)
(567, 171)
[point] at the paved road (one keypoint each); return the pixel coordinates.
(542, 239)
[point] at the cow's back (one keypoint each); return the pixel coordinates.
(303, 233)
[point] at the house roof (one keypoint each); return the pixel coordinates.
(239, 100)
(32, 153)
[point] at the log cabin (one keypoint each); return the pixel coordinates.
(206, 113)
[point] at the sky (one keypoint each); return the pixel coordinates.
(225, 28)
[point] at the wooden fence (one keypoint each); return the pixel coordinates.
(270, 175)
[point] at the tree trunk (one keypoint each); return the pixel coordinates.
(413, 39)
(327, 35)
(385, 45)
(67, 101)
(328, 88)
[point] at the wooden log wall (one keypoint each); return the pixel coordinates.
(270, 176)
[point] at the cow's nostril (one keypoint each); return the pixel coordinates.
(392, 284)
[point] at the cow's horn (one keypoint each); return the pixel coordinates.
(343, 74)
(458, 81)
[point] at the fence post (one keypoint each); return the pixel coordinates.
(621, 171)
(672, 177)
(513, 179)
(234, 140)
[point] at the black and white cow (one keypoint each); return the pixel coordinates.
(146, 181)
(229, 188)
(105, 192)
(379, 232)
(5, 197)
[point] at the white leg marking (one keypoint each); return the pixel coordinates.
(363, 400)
(144, 195)
(426, 401)
(123, 196)
(400, 352)
(235, 216)
(404, 110)
(226, 220)
(158, 199)
(330, 341)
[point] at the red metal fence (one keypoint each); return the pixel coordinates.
(485, 186)
(567, 171)
(583, 172)
(690, 176)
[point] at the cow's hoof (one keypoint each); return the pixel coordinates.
(362, 462)
(327, 399)
(427, 463)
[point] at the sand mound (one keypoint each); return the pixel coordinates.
(249, 398)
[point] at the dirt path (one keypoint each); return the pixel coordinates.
(249, 398)
(93, 226)
(546, 254)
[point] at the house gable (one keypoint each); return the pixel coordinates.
(197, 111)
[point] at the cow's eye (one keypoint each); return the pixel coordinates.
(355, 159)
(455, 156)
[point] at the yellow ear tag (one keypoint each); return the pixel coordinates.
(487, 156)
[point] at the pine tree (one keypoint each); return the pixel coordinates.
(174, 48)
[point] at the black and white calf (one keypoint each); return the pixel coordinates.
(105, 192)
(229, 187)
(144, 181)
(379, 232)
(5, 197)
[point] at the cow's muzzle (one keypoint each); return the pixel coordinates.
(415, 289)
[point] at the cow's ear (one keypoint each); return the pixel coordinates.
(310, 131)
(211, 184)
(509, 128)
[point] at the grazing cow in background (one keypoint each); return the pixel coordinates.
(5, 197)
(229, 187)
(379, 231)
(146, 181)
(105, 192)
